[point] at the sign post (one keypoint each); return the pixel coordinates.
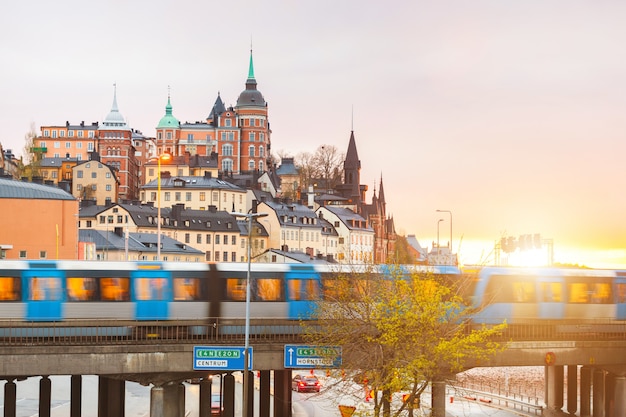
(299, 356)
(229, 358)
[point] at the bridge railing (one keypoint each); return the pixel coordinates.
(103, 332)
(115, 332)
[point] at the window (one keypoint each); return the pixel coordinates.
(217, 256)
(227, 150)
(208, 256)
(80, 133)
(198, 238)
(54, 133)
(261, 151)
(252, 136)
(70, 134)
(226, 239)
(90, 146)
(233, 256)
(251, 150)
(261, 137)
(225, 257)
(227, 165)
(46, 133)
(190, 137)
(167, 196)
(208, 239)
(94, 175)
(202, 195)
(188, 196)
(108, 187)
(169, 135)
(233, 240)
(91, 134)
(251, 165)
(153, 196)
(88, 223)
(217, 239)
(68, 145)
(228, 122)
(177, 196)
(42, 254)
(187, 238)
(57, 145)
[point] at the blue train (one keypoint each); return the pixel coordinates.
(528, 295)
(40, 291)
(65, 290)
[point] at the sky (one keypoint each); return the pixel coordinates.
(508, 114)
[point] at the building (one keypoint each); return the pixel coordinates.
(240, 135)
(356, 238)
(198, 193)
(115, 146)
(95, 181)
(118, 245)
(38, 222)
(73, 141)
(215, 233)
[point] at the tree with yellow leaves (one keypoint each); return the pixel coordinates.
(399, 330)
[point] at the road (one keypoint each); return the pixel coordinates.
(325, 404)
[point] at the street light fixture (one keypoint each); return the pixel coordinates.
(439, 221)
(449, 212)
(165, 157)
(246, 350)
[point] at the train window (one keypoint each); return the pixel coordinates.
(81, 289)
(10, 289)
(152, 288)
(44, 288)
(303, 289)
(523, 292)
(268, 289)
(187, 289)
(621, 293)
(509, 289)
(114, 289)
(236, 289)
(551, 292)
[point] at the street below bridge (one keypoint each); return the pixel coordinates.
(137, 400)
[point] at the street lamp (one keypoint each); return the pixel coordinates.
(439, 221)
(165, 157)
(449, 212)
(246, 349)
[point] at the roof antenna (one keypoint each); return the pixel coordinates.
(352, 121)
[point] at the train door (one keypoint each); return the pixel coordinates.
(303, 291)
(551, 295)
(620, 295)
(151, 292)
(44, 292)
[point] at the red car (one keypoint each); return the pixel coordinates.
(306, 383)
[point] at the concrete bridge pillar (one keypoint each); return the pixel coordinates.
(598, 393)
(45, 393)
(585, 391)
(111, 397)
(174, 400)
(206, 387)
(282, 393)
(10, 398)
(228, 395)
(554, 387)
(572, 389)
(76, 387)
(156, 402)
(264, 394)
(620, 397)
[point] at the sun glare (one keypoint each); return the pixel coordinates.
(533, 257)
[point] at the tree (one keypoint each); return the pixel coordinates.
(400, 332)
(402, 254)
(324, 168)
(33, 155)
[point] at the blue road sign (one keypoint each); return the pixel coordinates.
(230, 358)
(299, 356)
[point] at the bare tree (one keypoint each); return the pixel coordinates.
(32, 154)
(329, 163)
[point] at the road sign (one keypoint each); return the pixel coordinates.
(347, 410)
(230, 358)
(298, 356)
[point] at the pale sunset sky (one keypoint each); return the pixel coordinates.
(510, 114)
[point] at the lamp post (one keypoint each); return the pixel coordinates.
(439, 221)
(165, 157)
(449, 212)
(246, 349)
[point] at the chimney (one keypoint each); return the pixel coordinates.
(208, 174)
(177, 211)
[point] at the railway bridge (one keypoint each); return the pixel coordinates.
(161, 354)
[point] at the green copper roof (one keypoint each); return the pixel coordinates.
(251, 69)
(168, 120)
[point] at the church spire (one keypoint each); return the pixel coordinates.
(251, 67)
